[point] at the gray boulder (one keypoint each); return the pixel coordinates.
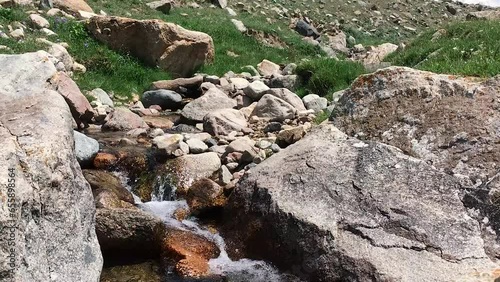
(334, 208)
(86, 148)
(315, 102)
(52, 225)
(214, 99)
(449, 122)
(166, 99)
(223, 122)
(273, 108)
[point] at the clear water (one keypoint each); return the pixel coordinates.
(244, 270)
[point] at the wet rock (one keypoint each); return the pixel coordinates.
(166, 99)
(86, 148)
(214, 99)
(54, 233)
(274, 108)
(149, 271)
(190, 168)
(189, 251)
(222, 122)
(204, 195)
(122, 119)
(105, 160)
(157, 43)
(101, 180)
(130, 232)
(334, 208)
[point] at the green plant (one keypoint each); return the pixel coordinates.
(462, 48)
(324, 76)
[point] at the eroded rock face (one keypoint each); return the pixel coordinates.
(157, 43)
(334, 208)
(54, 216)
(451, 123)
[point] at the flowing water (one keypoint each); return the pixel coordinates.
(242, 270)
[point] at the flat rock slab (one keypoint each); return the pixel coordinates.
(334, 208)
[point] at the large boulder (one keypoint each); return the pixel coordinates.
(449, 122)
(334, 208)
(214, 99)
(157, 43)
(51, 226)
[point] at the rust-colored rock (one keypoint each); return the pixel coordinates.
(105, 160)
(191, 252)
(157, 43)
(79, 105)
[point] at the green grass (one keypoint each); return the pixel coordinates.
(468, 48)
(325, 76)
(217, 23)
(124, 75)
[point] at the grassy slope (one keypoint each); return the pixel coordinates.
(124, 75)
(467, 48)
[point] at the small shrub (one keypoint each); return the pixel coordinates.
(325, 76)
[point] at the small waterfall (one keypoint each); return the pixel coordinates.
(244, 270)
